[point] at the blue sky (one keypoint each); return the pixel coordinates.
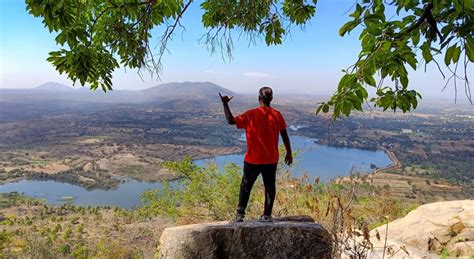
(309, 60)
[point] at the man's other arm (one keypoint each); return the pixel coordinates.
(286, 142)
(228, 114)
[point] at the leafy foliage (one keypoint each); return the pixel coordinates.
(254, 18)
(96, 36)
(201, 193)
(99, 36)
(389, 46)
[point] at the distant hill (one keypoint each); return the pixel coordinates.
(174, 94)
(195, 95)
(55, 98)
(52, 91)
(187, 90)
(52, 86)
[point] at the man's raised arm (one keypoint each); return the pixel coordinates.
(286, 141)
(228, 114)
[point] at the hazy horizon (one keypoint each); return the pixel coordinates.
(78, 87)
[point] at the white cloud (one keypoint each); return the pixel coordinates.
(255, 74)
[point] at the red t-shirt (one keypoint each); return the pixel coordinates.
(262, 126)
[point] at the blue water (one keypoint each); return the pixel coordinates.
(320, 161)
(127, 195)
(315, 160)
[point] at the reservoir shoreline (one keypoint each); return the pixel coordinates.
(317, 160)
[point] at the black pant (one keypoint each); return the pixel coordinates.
(251, 172)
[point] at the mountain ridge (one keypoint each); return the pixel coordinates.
(188, 85)
(173, 89)
(184, 87)
(204, 85)
(53, 86)
(174, 95)
(166, 95)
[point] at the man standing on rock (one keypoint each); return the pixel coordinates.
(262, 126)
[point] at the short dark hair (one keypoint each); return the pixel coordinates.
(266, 95)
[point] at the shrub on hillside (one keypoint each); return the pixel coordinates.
(206, 193)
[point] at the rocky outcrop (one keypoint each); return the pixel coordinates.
(88, 167)
(428, 231)
(251, 239)
(432, 228)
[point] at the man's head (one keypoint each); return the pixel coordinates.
(265, 95)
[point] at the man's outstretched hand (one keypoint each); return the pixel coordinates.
(225, 99)
(289, 158)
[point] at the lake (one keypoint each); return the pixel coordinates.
(127, 195)
(321, 161)
(317, 160)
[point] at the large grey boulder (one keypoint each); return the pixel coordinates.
(251, 239)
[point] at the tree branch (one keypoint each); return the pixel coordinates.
(170, 30)
(114, 6)
(426, 16)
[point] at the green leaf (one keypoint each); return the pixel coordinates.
(404, 81)
(411, 60)
(449, 55)
(363, 91)
(346, 80)
(326, 108)
(414, 103)
(369, 79)
(426, 52)
(457, 54)
(358, 11)
(470, 48)
(357, 106)
(342, 82)
(415, 38)
(319, 108)
(274, 32)
(346, 108)
(374, 17)
(347, 27)
(374, 28)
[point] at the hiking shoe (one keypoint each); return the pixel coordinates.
(265, 218)
(239, 217)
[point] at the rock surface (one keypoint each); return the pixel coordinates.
(250, 239)
(432, 227)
